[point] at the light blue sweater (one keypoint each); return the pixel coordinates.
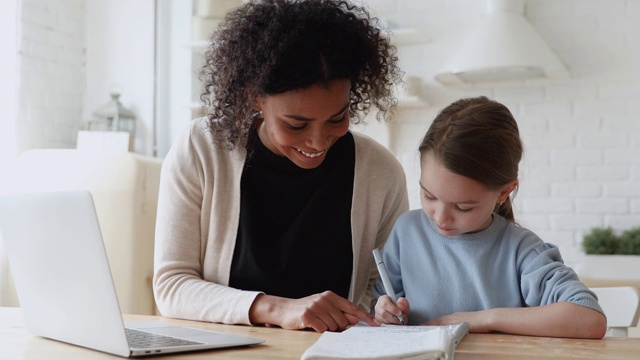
(502, 266)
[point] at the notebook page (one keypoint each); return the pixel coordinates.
(384, 342)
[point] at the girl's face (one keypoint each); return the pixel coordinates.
(455, 203)
(303, 124)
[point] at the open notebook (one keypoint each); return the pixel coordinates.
(64, 282)
(388, 342)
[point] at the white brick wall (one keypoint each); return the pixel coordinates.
(51, 72)
(582, 135)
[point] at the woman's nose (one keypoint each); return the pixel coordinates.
(318, 140)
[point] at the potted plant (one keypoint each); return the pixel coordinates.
(609, 256)
(630, 242)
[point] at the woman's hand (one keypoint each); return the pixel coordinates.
(387, 312)
(320, 312)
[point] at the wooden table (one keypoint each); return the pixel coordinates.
(17, 343)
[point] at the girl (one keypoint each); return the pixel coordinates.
(463, 257)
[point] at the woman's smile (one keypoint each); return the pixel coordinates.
(310, 154)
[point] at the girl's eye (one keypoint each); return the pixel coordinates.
(464, 210)
(428, 197)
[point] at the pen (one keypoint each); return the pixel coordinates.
(382, 269)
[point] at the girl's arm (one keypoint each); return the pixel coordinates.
(561, 319)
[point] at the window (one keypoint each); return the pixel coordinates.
(8, 114)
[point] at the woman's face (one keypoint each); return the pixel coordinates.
(455, 203)
(303, 124)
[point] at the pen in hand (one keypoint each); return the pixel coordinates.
(382, 269)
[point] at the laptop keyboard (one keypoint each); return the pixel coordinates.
(145, 340)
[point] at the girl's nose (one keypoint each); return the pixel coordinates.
(441, 215)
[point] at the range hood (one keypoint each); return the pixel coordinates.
(504, 46)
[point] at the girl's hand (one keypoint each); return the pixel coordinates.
(480, 320)
(320, 312)
(387, 312)
(562, 319)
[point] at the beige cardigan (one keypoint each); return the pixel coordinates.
(197, 221)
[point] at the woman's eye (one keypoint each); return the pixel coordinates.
(338, 121)
(295, 128)
(427, 197)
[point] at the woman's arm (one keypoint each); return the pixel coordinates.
(379, 198)
(561, 319)
(194, 237)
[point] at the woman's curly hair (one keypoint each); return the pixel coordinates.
(272, 46)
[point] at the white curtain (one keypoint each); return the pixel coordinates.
(8, 117)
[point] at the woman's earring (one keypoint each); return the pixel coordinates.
(257, 115)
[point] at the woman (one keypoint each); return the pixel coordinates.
(269, 206)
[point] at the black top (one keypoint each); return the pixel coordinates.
(294, 236)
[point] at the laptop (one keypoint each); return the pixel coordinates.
(64, 283)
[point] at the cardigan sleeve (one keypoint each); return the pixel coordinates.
(380, 197)
(179, 284)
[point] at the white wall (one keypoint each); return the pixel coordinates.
(120, 53)
(9, 83)
(73, 53)
(50, 73)
(582, 135)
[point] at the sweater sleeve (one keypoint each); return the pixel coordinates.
(545, 279)
(179, 284)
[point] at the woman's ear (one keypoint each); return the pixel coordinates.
(508, 189)
(256, 103)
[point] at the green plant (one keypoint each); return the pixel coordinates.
(604, 241)
(630, 242)
(600, 241)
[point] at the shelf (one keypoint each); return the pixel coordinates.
(413, 102)
(406, 36)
